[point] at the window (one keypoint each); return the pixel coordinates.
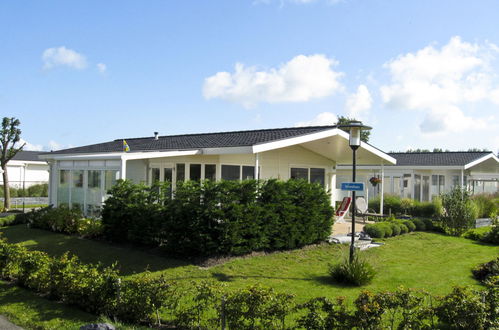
(195, 172)
(94, 196)
(168, 174)
(210, 172)
(63, 187)
(312, 175)
(248, 172)
(154, 175)
(109, 179)
(230, 172)
(94, 179)
(77, 191)
(317, 175)
(299, 173)
(417, 187)
(180, 172)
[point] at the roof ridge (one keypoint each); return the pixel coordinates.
(441, 152)
(230, 132)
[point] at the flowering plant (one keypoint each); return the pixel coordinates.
(375, 180)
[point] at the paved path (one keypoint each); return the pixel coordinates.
(7, 325)
(346, 227)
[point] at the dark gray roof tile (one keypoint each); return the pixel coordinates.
(453, 158)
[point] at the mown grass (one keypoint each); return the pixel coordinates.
(418, 260)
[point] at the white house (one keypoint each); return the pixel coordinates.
(26, 169)
(423, 175)
(81, 176)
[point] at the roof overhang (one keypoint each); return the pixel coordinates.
(333, 144)
(121, 155)
(486, 164)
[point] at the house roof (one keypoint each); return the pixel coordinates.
(197, 141)
(30, 156)
(454, 158)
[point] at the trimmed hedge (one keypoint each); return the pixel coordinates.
(213, 218)
(396, 227)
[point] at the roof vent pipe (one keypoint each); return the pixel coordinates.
(156, 137)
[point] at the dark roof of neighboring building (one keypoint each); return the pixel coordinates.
(449, 158)
(197, 141)
(31, 156)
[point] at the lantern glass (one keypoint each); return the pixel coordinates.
(355, 136)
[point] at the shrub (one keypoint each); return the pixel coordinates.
(406, 204)
(487, 205)
(395, 228)
(409, 224)
(462, 309)
(420, 225)
(492, 236)
(358, 272)
(256, 307)
(403, 228)
(460, 211)
(428, 224)
(225, 217)
(322, 313)
(375, 230)
(390, 203)
(387, 227)
(8, 220)
(477, 234)
(485, 271)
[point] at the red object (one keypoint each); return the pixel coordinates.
(344, 206)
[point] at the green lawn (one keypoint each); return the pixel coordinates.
(418, 260)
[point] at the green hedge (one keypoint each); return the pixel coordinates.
(152, 300)
(399, 205)
(225, 217)
(37, 190)
(396, 227)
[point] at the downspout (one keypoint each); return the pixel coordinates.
(257, 166)
(462, 178)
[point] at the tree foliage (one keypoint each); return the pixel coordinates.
(364, 135)
(460, 211)
(10, 135)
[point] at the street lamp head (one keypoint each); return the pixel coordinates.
(354, 128)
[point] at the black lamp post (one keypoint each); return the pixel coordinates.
(354, 128)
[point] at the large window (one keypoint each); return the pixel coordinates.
(63, 187)
(195, 172)
(180, 172)
(94, 193)
(210, 172)
(231, 172)
(248, 172)
(417, 187)
(313, 175)
(77, 191)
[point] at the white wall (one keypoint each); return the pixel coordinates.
(30, 172)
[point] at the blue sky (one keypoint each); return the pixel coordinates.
(424, 74)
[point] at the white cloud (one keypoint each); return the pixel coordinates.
(101, 67)
(441, 82)
(322, 119)
(62, 56)
(301, 79)
(358, 104)
(29, 146)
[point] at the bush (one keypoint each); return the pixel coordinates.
(428, 224)
(225, 217)
(487, 205)
(375, 230)
(492, 236)
(390, 203)
(460, 213)
(486, 271)
(387, 227)
(462, 309)
(420, 225)
(358, 272)
(409, 224)
(477, 234)
(8, 220)
(395, 228)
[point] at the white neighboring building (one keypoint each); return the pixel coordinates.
(423, 175)
(81, 176)
(26, 168)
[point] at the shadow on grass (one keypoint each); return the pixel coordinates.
(18, 301)
(324, 279)
(130, 260)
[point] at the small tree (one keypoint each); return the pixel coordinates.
(10, 134)
(460, 211)
(364, 135)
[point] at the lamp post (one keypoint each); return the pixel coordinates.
(354, 128)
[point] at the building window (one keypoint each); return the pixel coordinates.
(155, 175)
(109, 179)
(77, 191)
(195, 172)
(313, 175)
(317, 175)
(248, 172)
(210, 172)
(180, 172)
(63, 187)
(230, 172)
(299, 173)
